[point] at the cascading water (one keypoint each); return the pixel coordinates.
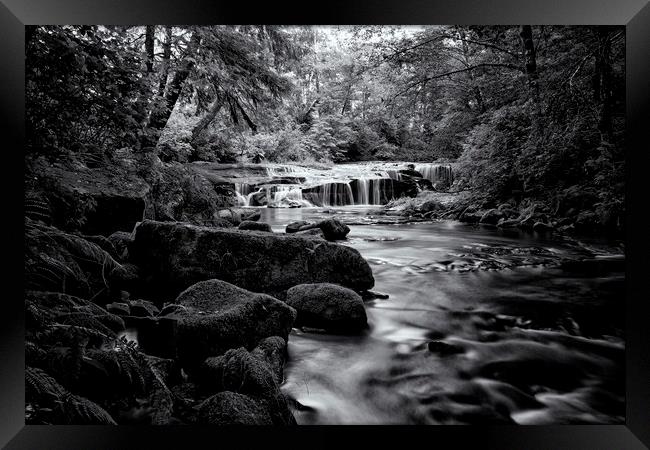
(394, 174)
(243, 192)
(373, 191)
(284, 185)
(436, 172)
(287, 195)
(330, 194)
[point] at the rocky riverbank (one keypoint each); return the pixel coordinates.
(133, 320)
(151, 298)
(528, 215)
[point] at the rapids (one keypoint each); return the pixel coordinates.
(525, 329)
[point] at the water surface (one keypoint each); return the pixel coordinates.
(533, 325)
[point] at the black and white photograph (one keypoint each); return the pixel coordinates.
(325, 225)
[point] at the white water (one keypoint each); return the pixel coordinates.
(436, 172)
(340, 185)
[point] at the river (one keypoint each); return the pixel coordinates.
(524, 328)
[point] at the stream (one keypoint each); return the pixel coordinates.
(481, 325)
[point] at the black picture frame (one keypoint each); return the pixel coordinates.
(634, 14)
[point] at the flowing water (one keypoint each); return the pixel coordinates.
(371, 183)
(525, 329)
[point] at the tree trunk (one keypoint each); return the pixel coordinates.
(246, 117)
(526, 34)
(159, 117)
(603, 83)
(209, 117)
(348, 92)
(476, 90)
(530, 59)
(149, 34)
(167, 53)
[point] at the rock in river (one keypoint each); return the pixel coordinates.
(294, 227)
(174, 256)
(219, 316)
(328, 306)
(333, 229)
(245, 373)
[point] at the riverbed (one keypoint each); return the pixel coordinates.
(481, 325)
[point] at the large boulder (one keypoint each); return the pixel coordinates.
(174, 256)
(218, 316)
(328, 306)
(231, 408)
(93, 201)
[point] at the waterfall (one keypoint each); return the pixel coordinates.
(330, 194)
(243, 192)
(288, 195)
(373, 191)
(373, 183)
(394, 174)
(436, 172)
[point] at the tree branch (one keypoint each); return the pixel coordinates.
(442, 75)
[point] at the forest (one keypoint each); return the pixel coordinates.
(529, 113)
(265, 224)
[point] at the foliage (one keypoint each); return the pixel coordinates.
(78, 371)
(527, 118)
(49, 403)
(83, 89)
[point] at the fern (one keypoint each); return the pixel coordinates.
(44, 393)
(37, 207)
(85, 320)
(70, 334)
(39, 384)
(75, 409)
(121, 366)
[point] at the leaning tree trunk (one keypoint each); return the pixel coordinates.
(207, 119)
(159, 117)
